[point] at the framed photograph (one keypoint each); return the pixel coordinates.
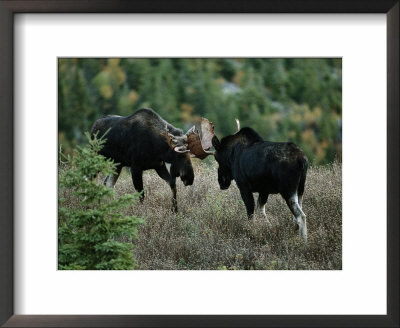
(205, 85)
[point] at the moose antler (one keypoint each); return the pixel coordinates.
(191, 142)
(200, 147)
(237, 125)
(178, 143)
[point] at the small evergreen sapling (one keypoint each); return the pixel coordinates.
(93, 232)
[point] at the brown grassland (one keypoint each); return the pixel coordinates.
(211, 230)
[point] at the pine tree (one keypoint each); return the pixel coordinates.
(93, 232)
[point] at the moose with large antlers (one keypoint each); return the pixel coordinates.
(142, 141)
(256, 166)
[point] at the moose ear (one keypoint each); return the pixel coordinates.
(216, 143)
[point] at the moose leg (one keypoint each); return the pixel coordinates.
(300, 197)
(262, 200)
(300, 192)
(294, 206)
(164, 174)
(137, 179)
(110, 180)
(248, 200)
(300, 201)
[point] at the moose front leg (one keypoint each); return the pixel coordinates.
(248, 200)
(165, 175)
(137, 179)
(262, 200)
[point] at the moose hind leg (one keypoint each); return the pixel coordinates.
(300, 202)
(300, 217)
(165, 175)
(110, 180)
(300, 197)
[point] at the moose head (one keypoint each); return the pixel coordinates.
(181, 164)
(199, 146)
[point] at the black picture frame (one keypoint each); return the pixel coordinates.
(7, 11)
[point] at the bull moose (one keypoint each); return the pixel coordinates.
(257, 166)
(142, 141)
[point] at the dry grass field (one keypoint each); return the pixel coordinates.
(211, 230)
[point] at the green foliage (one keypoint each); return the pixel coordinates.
(264, 93)
(93, 234)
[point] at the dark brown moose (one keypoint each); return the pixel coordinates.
(142, 141)
(256, 166)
